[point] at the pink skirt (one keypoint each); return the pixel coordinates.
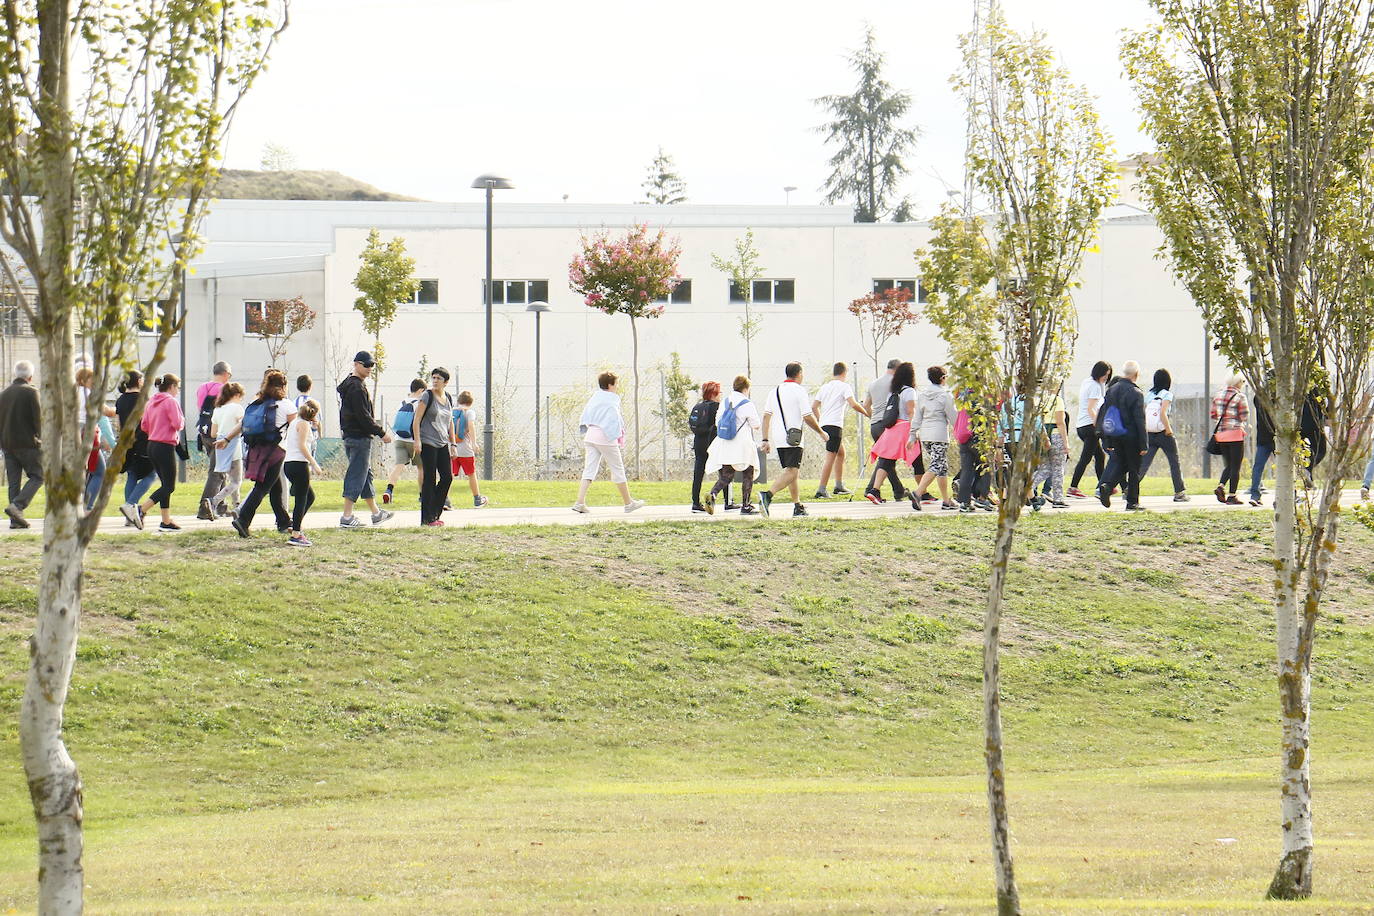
(893, 444)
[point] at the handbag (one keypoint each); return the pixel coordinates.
(1213, 443)
(794, 434)
(183, 452)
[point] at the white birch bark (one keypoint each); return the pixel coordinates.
(1293, 879)
(1008, 899)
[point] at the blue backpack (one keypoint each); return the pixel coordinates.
(727, 425)
(404, 422)
(1112, 425)
(460, 419)
(260, 423)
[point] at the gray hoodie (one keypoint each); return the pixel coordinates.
(934, 414)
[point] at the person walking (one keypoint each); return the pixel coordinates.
(1050, 470)
(829, 407)
(895, 445)
(875, 401)
(227, 453)
(736, 451)
(1160, 432)
(139, 475)
(702, 422)
(207, 399)
(264, 426)
(971, 429)
(95, 459)
(464, 451)
(1090, 395)
(299, 464)
(1230, 410)
(1264, 450)
(933, 415)
(406, 445)
(789, 404)
(434, 432)
(1121, 426)
(21, 424)
(359, 427)
(95, 479)
(165, 425)
(603, 436)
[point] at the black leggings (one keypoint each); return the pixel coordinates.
(436, 476)
(163, 455)
(974, 479)
(699, 446)
(271, 488)
(302, 494)
(1092, 451)
(890, 465)
(1233, 453)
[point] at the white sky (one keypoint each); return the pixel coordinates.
(418, 97)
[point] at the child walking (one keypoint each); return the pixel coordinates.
(300, 462)
(464, 454)
(228, 453)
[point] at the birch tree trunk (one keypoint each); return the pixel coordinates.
(1293, 879)
(1008, 899)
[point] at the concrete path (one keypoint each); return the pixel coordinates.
(563, 515)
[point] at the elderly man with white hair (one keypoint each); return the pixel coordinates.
(19, 439)
(1121, 424)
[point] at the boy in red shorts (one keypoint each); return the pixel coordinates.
(464, 454)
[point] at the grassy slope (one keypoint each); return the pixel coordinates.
(684, 718)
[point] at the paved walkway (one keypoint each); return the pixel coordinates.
(563, 515)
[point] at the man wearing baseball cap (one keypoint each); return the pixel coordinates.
(358, 426)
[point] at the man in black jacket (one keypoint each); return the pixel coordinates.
(20, 424)
(1125, 444)
(358, 427)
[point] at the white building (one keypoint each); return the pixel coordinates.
(816, 261)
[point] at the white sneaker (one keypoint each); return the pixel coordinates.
(634, 504)
(580, 508)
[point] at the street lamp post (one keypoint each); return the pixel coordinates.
(539, 308)
(788, 191)
(489, 183)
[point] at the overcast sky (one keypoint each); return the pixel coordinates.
(420, 96)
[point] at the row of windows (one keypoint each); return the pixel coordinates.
(521, 292)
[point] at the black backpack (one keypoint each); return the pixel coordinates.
(700, 420)
(207, 410)
(891, 412)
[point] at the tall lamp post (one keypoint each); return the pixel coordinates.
(490, 183)
(539, 308)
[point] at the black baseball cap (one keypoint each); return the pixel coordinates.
(363, 357)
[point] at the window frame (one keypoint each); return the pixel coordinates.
(919, 294)
(773, 284)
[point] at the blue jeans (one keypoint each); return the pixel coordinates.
(135, 487)
(1262, 455)
(358, 478)
(95, 479)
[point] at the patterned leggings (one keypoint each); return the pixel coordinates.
(1051, 468)
(727, 474)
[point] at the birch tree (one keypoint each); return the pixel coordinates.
(112, 117)
(1039, 157)
(743, 269)
(1262, 113)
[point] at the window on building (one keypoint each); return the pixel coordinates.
(150, 315)
(518, 292)
(681, 294)
(255, 318)
(767, 292)
(427, 294)
(913, 286)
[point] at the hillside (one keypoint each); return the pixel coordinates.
(245, 184)
(688, 718)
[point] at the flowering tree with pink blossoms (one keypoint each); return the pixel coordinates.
(627, 275)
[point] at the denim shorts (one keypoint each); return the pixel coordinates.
(358, 478)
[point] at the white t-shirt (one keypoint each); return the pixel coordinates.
(464, 448)
(796, 404)
(223, 420)
(293, 448)
(834, 397)
(1090, 390)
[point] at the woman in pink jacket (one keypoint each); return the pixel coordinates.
(163, 422)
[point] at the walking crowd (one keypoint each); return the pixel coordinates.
(270, 442)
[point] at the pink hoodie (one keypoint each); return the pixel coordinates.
(162, 419)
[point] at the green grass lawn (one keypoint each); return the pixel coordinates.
(677, 718)
(531, 493)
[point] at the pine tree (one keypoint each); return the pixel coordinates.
(662, 184)
(867, 128)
